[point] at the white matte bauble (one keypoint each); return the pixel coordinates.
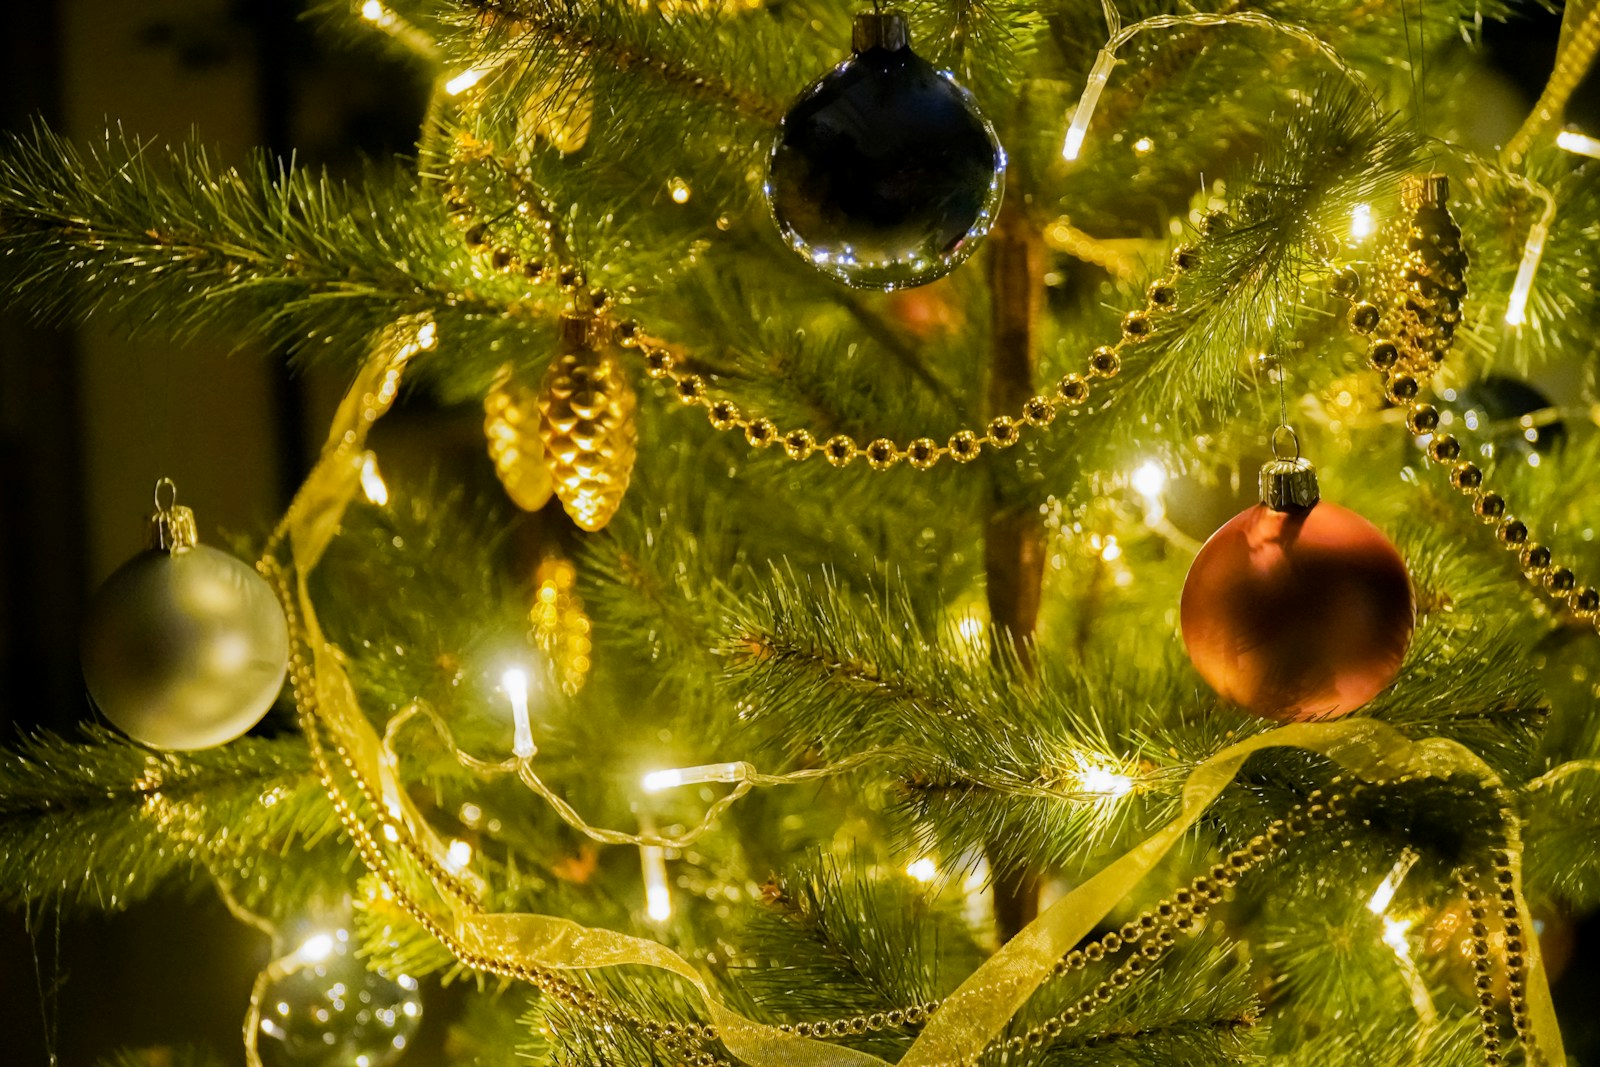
(184, 647)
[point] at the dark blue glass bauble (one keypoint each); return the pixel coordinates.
(884, 173)
(1507, 415)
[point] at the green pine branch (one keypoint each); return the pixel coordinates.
(103, 822)
(175, 244)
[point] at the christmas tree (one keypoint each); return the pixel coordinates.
(1029, 533)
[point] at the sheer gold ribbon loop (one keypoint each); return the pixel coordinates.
(980, 1009)
(1364, 747)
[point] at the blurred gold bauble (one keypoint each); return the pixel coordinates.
(1448, 937)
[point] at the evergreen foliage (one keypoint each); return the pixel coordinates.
(746, 607)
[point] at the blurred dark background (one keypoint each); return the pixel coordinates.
(88, 421)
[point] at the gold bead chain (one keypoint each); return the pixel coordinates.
(1516, 961)
(799, 444)
(1403, 384)
(922, 453)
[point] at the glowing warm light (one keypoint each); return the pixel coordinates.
(1384, 894)
(1079, 129)
(1104, 781)
(372, 483)
(1111, 551)
(315, 949)
(971, 628)
(376, 13)
(464, 81)
(1149, 480)
(923, 870)
(458, 855)
(1532, 252)
(656, 781)
(1143, 146)
(679, 189)
(1361, 224)
(657, 900)
(1394, 935)
(1581, 143)
(427, 336)
(1091, 776)
(1074, 142)
(515, 683)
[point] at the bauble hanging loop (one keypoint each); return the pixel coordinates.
(1297, 609)
(884, 173)
(184, 646)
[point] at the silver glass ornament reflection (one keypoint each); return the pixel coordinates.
(324, 1008)
(184, 647)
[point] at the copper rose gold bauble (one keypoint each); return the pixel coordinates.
(1298, 614)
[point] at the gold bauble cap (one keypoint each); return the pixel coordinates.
(171, 529)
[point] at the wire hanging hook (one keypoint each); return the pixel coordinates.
(171, 489)
(1277, 441)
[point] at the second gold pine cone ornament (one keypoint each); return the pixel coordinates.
(586, 420)
(511, 425)
(1414, 304)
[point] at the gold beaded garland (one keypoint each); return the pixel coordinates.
(1039, 411)
(923, 453)
(1424, 273)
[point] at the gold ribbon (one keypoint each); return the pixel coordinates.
(979, 1010)
(1575, 54)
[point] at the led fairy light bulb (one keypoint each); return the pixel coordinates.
(1579, 143)
(515, 683)
(1361, 224)
(656, 781)
(373, 486)
(1532, 253)
(657, 897)
(1079, 128)
(464, 81)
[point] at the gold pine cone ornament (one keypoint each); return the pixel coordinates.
(586, 410)
(511, 427)
(1421, 288)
